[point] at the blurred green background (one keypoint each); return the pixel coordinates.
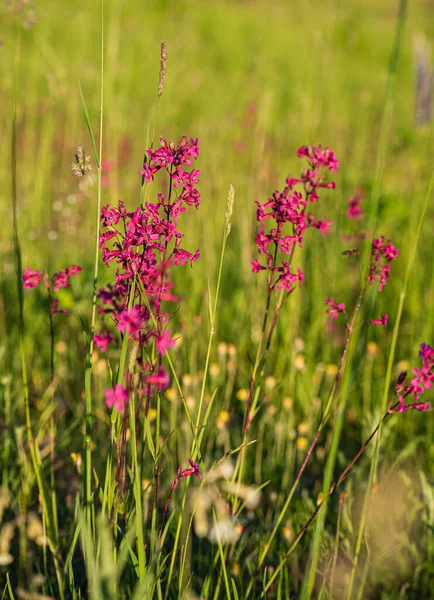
(253, 80)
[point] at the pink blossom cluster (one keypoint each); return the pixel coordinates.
(171, 158)
(382, 255)
(31, 279)
(354, 211)
(422, 381)
(144, 244)
(59, 280)
(287, 208)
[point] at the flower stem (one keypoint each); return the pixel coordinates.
(88, 372)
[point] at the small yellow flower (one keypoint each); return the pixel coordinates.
(100, 366)
(302, 443)
(152, 414)
(214, 370)
(223, 416)
(236, 569)
(243, 394)
(372, 348)
(222, 349)
(298, 344)
(171, 394)
(271, 410)
(332, 370)
(287, 532)
(298, 362)
(303, 428)
(187, 380)
(320, 498)
(403, 365)
(231, 366)
(232, 351)
(270, 382)
(61, 347)
(77, 460)
(287, 403)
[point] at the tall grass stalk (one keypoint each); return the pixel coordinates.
(323, 421)
(89, 349)
(341, 402)
(48, 509)
(195, 449)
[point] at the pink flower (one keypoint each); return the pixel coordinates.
(423, 381)
(287, 279)
(335, 308)
(256, 266)
(61, 278)
(382, 254)
(382, 321)
(160, 378)
(31, 278)
(164, 342)
(102, 340)
(288, 207)
(323, 225)
(319, 157)
(194, 470)
(354, 211)
(130, 320)
(117, 398)
(55, 308)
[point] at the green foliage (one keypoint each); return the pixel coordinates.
(253, 80)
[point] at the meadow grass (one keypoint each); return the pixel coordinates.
(105, 504)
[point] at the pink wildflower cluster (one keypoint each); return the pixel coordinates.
(31, 279)
(422, 381)
(382, 254)
(354, 211)
(171, 158)
(145, 243)
(288, 207)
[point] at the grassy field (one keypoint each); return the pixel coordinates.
(102, 503)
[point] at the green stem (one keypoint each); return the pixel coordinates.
(309, 580)
(88, 373)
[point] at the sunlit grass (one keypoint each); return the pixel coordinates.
(253, 82)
